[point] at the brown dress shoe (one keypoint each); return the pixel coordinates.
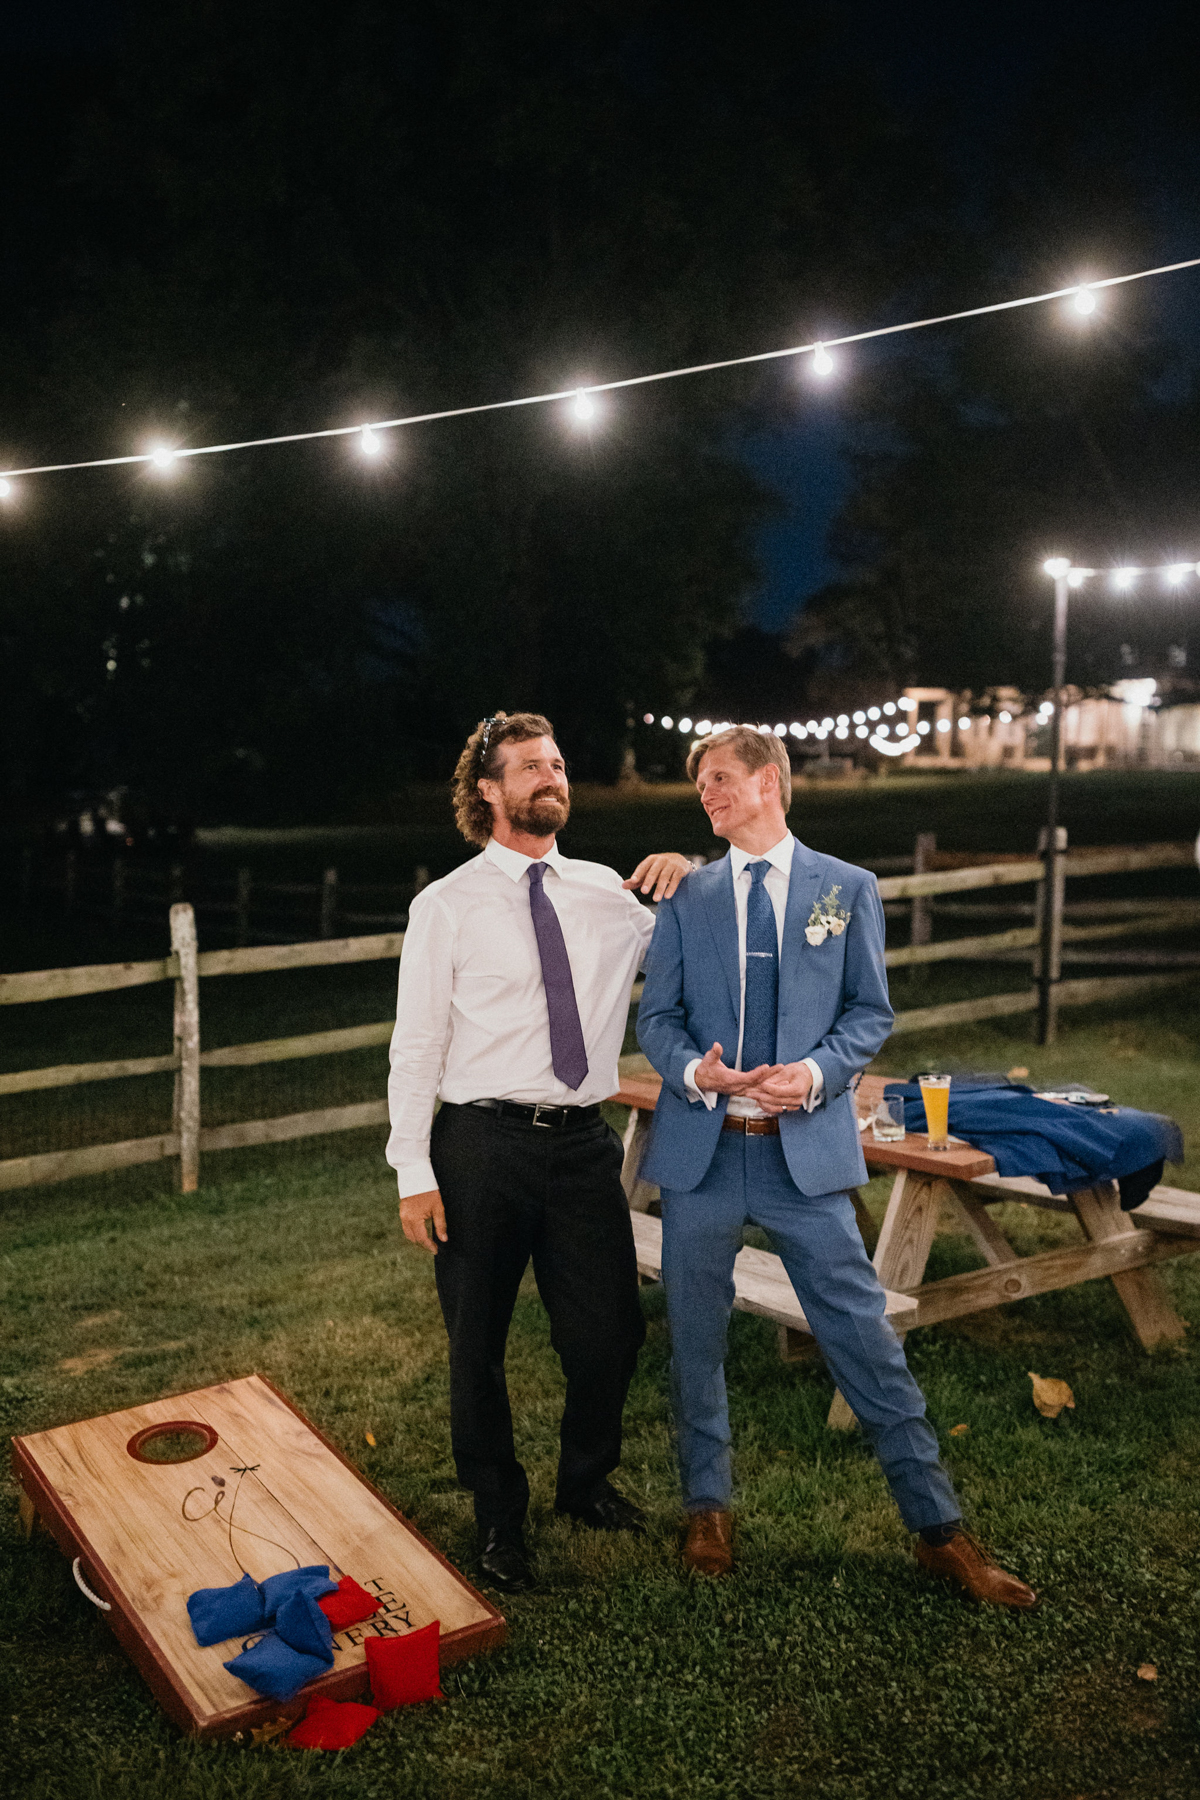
(708, 1548)
(965, 1561)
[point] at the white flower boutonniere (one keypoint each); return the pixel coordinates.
(827, 918)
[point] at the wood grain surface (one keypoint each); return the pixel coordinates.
(149, 1536)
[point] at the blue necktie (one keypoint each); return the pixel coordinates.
(762, 973)
(568, 1053)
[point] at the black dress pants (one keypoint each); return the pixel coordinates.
(511, 1192)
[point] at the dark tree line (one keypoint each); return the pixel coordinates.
(245, 220)
(980, 452)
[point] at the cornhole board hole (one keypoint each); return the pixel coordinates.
(261, 1491)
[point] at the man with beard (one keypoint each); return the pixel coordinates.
(513, 1001)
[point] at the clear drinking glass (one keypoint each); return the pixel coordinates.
(887, 1121)
(935, 1092)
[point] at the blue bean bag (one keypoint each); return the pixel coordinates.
(301, 1623)
(312, 1580)
(273, 1668)
(220, 1613)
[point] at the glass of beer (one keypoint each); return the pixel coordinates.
(935, 1092)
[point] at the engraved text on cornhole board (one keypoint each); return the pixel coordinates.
(268, 1493)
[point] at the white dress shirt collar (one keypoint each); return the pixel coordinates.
(780, 855)
(514, 863)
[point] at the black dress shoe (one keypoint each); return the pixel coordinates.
(610, 1511)
(503, 1560)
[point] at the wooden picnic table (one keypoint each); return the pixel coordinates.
(954, 1188)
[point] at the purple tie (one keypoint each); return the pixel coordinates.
(567, 1051)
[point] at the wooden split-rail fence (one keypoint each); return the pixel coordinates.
(243, 905)
(187, 966)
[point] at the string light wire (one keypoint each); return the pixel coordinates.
(607, 387)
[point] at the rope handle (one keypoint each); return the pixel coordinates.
(85, 1590)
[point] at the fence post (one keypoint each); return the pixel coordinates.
(175, 888)
(1051, 893)
(186, 1120)
(242, 912)
(118, 886)
(329, 887)
(924, 847)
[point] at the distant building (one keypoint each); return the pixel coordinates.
(1134, 726)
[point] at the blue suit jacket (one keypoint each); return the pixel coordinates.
(833, 1006)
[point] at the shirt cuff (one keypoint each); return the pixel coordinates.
(817, 1091)
(693, 1092)
(415, 1178)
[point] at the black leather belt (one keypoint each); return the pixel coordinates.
(552, 1118)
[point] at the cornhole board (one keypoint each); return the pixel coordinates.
(147, 1534)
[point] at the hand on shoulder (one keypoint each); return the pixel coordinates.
(662, 871)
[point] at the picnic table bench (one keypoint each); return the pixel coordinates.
(955, 1187)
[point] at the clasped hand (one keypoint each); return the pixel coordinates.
(775, 1087)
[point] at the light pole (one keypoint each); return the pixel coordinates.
(1059, 569)
(1066, 576)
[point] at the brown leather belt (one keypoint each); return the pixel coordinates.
(752, 1127)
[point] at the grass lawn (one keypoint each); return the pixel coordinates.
(826, 1667)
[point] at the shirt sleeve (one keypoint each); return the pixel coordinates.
(694, 1093)
(642, 920)
(817, 1090)
(419, 1041)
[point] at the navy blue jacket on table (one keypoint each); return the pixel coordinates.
(1066, 1147)
(833, 1007)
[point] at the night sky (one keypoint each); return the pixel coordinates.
(980, 74)
(199, 228)
(974, 76)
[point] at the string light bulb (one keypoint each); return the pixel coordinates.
(583, 407)
(1124, 579)
(1085, 300)
(5, 488)
(370, 442)
(1057, 566)
(163, 457)
(822, 361)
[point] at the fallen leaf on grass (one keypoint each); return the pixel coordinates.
(957, 1430)
(265, 1734)
(1148, 1672)
(1050, 1395)
(370, 1437)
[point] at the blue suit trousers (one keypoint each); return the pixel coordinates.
(818, 1241)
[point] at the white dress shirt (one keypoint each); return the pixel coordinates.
(471, 1015)
(777, 880)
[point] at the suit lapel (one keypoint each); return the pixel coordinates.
(802, 891)
(721, 914)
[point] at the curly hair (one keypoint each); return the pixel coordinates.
(481, 760)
